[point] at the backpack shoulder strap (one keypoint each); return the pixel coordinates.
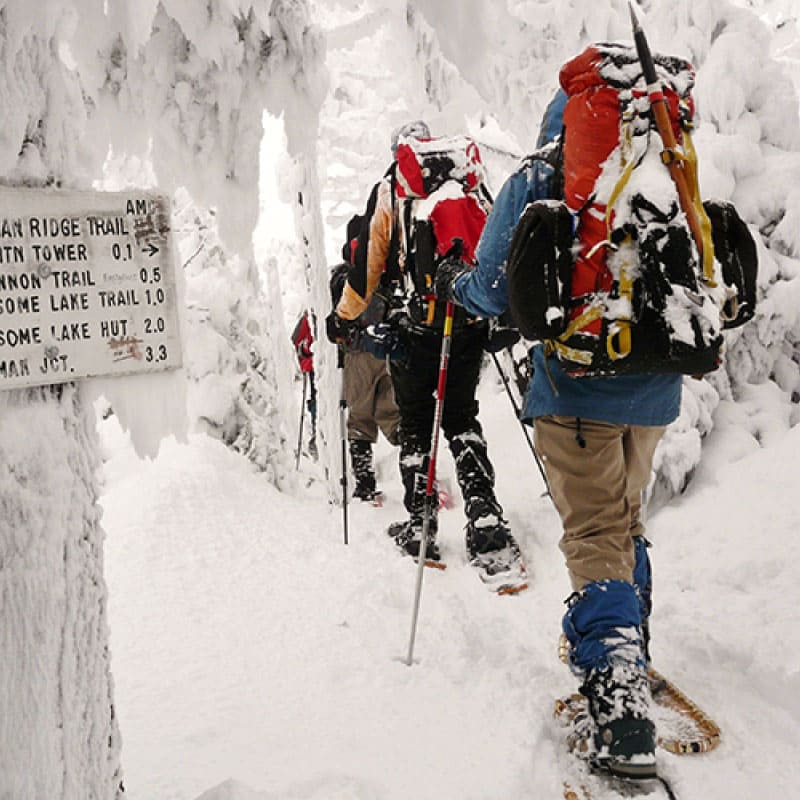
(547, 164)
(392, 273)
(357, 276)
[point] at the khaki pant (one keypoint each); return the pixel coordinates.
(370, 398)
(597, 491)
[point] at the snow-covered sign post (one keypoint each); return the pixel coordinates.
(89, 308)
(87, 286)
(58, 736)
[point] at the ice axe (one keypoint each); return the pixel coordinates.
(682, 170)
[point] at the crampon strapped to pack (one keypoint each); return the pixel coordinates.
(611, 277)
(442, 209)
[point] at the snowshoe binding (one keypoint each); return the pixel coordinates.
(407, 536)
(493, 551)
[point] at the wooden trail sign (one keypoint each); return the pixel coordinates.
(87, 286)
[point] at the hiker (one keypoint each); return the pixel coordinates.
(367, 385)
(303, 341)
(635, 280)
(385, 247)
(597, 437)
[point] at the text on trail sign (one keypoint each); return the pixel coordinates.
(87, 286)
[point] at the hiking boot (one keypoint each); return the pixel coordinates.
(414, 474)
(366, 491)
(474, 470)
(624, 735)
(487, 531)
(602, 626)
(408, 537)
(363, 472)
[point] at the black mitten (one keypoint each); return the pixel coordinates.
(448, 271)
(337, 329)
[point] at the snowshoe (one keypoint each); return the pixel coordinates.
(363, 471)
(683, 727)
(502, 570)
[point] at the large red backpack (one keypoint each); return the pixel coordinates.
(609, 274)
(442, 205)
(642, 300)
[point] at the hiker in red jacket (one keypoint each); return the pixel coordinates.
(303, 341)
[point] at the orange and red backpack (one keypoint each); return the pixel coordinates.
(608, 273)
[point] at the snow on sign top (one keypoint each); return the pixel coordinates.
(87, 286)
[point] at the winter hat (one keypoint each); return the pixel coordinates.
(417, 129)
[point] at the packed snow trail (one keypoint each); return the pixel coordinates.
(241, 597)
(256, 657)
(253, 652)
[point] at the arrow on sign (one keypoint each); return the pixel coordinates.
(151, 249)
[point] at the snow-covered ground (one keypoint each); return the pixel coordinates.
(256, 657)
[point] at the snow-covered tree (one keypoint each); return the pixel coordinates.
(183, 87)
(59, 736)
(491, 69)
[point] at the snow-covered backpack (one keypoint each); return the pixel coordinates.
(607, 271)
(442, 205)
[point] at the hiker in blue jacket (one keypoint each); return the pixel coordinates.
(597, 437)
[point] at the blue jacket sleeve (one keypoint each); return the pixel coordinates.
(482, 291)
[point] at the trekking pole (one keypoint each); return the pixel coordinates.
(447, 336)
(343, 431)
(517, 413)
(302, 419)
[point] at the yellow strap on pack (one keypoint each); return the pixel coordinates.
(431, 301)
(705, 222)
(628, 165)
(572, 353)
(580, 322)
(621, 330)
(619, 186)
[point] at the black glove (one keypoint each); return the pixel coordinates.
(384, 341)
(448, 271)
(337, 329)
(502, 334)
